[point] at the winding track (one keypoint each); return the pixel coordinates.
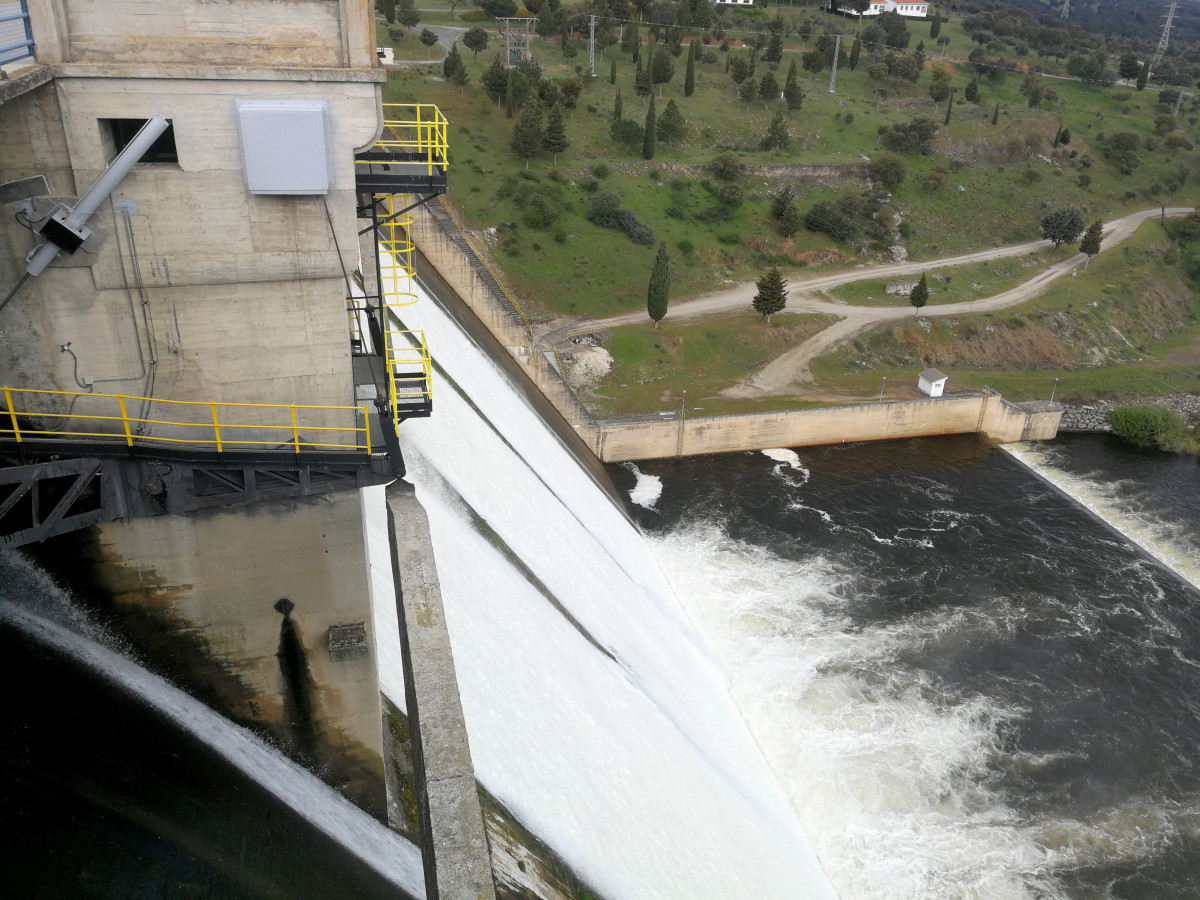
(793, 365)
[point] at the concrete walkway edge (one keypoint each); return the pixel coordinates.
(454, 844)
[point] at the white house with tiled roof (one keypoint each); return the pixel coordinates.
(917, 9)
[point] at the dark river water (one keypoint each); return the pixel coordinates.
(969, 684)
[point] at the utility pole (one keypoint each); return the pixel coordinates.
(592, 45)
(1166, 35)
(1066, 8)
(837, 51)
(1178, 103)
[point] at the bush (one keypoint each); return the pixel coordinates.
(726, 167)
(607, 213)
(1150, 425)
(686, 247)
(601, 171)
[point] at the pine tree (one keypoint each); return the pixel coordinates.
(791, 221)
(554, 139)
(689, 78)
(782, 201)
(919, 295)
(662, 68)
(777, 136)
(772, 294)
(1143, 76)
(612, 71)
(774, 52)
(768, 88)
(650, 131)
(617, 110)
(935, 27)
(1091, 241)
(996, 113)
(527, 133)
(630, 39)
(855, 52)
(972, 91)
(495, 79)
(660, 285)
(453, 63)
(671, 127)
(641, 81)
(510, 102)
(747, 92)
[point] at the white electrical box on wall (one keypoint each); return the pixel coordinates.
(287, 146)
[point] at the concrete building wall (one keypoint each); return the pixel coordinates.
(306, 33)
(205, 586)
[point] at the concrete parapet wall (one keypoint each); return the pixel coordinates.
(989, 414)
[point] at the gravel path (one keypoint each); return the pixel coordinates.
(793, 365)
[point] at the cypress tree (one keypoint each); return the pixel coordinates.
(1143, 76)
(727, 55)
(771, 296)
(510, 103)
(630, 39)
(453, 63)
(689, 78)
(919, 295)
(855, 51)
(617, 107)
(1091, 241)
(972, 91)
(792, 95)
(527, 133)
(996, 113)
(641, 81)
(949, 106)
(660, 285)
(651, 131)
(768, 89)
(612, 71)
(935, 27)
(495, 79)
(555, 138)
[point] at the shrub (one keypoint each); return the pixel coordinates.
(726, 167)
(606, 212)
(730, 194)
(686, 247)
(729, 238)
(1150, 425)
(601, 171)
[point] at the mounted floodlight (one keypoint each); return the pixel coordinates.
(66, 229)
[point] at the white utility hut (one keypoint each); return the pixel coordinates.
(931, 383)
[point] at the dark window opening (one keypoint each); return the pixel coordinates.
(119, 132)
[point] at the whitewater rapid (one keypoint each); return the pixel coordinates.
(594, 712)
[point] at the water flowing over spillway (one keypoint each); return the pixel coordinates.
(594, 712)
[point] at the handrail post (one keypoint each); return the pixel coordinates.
(216, 427)
(295, 430)
(12, 414)
(125, 420)
(367, 428)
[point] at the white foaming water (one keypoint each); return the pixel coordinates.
(1164, 541)
(886, 769)
(790, 459)
(612, 737)
(330, 812)
(647, 490)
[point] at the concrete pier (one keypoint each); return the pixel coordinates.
(455, 848)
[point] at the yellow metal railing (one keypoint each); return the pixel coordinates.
(29, 415)
(410, 370)
(418, 131)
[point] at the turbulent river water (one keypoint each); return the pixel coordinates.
(969, 685)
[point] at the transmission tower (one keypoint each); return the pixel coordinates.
(592, 46)
(1066, 9)
(1166, 35)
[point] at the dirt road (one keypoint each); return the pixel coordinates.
(803, 288)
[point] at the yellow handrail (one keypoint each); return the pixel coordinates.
(211, 418)
(415, 130)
